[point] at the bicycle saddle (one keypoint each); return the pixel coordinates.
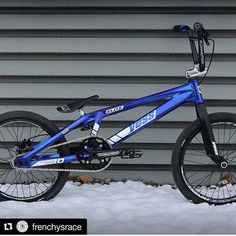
(71, 107)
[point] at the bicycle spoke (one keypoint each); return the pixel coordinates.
(22, 184)
(192, 154)
(194, 162)
(214, 185)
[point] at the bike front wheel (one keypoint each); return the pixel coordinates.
(199, 178)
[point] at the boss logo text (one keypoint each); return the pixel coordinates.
(143, 121)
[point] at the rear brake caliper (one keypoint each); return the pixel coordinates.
(24, 146)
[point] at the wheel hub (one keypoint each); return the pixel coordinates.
(23, 146)
(223, 164)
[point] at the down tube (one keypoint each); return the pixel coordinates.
(149, 118)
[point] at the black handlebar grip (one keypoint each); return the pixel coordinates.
(180, 28)
(176, 28)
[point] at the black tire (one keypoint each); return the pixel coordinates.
(14, 127)
(198, 178)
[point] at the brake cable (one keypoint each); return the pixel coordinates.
(209, 65)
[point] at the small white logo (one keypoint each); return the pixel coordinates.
(119, 108)
(64, 131)
(49, 162)
(215, 148)
(22, 226)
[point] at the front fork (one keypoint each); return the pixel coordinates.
(208, 136)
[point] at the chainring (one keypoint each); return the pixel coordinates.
(89, 147)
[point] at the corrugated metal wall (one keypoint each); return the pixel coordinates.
(53, 52)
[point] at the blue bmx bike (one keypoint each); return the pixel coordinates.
(35, 157)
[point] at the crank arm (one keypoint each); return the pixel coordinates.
(126, 153)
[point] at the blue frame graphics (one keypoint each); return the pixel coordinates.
(189, 92)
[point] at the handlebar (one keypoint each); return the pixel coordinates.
(197, 26)
(202, 34)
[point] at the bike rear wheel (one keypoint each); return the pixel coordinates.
(195, 174)
(19, 132)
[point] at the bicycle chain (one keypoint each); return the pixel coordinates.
(57, 145)
(62, 170)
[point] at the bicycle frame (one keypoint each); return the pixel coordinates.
(189, 92)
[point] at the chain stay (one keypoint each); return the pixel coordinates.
(64, 170)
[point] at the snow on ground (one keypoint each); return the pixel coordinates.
(131, 207)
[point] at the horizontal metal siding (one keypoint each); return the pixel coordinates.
(140, 47)
(114, 3)
(54, 52)
(108, 68)
(130, 91)
(112, 21)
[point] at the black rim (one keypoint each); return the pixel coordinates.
(202, 176)
(19, 184)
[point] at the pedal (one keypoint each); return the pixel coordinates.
(131, 153)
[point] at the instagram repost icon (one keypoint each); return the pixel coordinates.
(22, 226)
